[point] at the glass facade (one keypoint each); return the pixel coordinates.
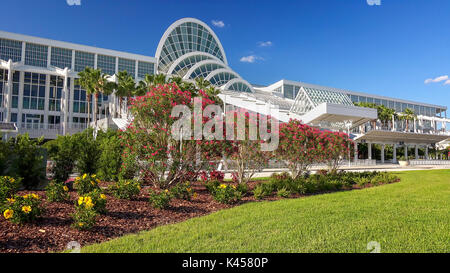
(83, 60)
(204, 70)
(240, 86)
(145, 68)
(3, 83)
(221, 78)
(15, 90)
(10, 49)
(55, 93)
(34, 91)
(107, 64)
(185, 38)
(61, 57)
(36, 55)
(127, 65)
(79, 100)
(319, 96)
(184, 65)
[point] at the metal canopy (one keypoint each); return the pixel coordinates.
(339, 113)
(381, 136)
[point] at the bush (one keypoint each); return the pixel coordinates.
(182, 191)
(110, 159)
(160, 200)
(57, 192)
(8, 187)
(126, 189)
(26, 160)
(84, 218)
(284, 193)
(263, 190)
(86, 183)
(63, 151)
(211, 186)
(88, 152)
(227, 194)
(95, 200)
(22, 209)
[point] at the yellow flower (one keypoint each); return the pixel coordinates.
(84, 176)
(139, 187)
(93, 176)
(77, 179)
(195, 195)
(189, 189)
(12, 180)
(8, 214)
(26, 196)
(80, 224)
(89, 205)
(11, 200)
(234, 187)
(102, 196)
(80, 201)
(35, 196)
(223, 186)
(166, 191)
(92, 183)
(26, 209)
(98, 181)
(65, 188)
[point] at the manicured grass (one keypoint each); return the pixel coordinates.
(410, 216)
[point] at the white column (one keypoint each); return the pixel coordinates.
(415, 128)
(426, 152)
(417, 152)
(369, 145)
(65, 103)
(47, 100)
(8, 97)
(355, 159)
(382, 153)
(406, 151)
(394, 153)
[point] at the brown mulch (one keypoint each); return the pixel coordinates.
(52, 232)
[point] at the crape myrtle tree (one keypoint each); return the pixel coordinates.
(336, 146)
(161, 159)
(300, 146)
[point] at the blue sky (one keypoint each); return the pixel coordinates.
(390, 50)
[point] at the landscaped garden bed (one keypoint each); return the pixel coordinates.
(53, 230)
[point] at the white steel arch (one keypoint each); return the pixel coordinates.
(203, 55)
(203, 63)
(237, 80)
(163, 64)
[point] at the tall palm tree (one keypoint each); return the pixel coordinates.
(201, 83)
(159, 79)
(407, 115)
(87, 82)
(126, 87)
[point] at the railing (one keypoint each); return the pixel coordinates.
(400, 128)
(429, 162)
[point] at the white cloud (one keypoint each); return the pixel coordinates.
(265, 44)
(218, 23)
(438, 79)
(73, 2)
(250, 59)
(447, 82)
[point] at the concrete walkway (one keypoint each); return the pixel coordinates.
(380, 168)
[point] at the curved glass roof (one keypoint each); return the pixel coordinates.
(221, 78)
(240, 86)
(188, 37)
(205, 69)
(184, 64)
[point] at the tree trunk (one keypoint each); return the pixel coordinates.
(89, 110)
(95, 109)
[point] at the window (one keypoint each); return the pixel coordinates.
(61, 57)
(289, 92)
(36, 55)
(107, 64)
(15, 89)
(34, 91)
(54, 122)
(205, 69)
(13, 117)
(55, 93)
(79, 100)
(83, 60)
(10, 49)
(32, 121)
(3, 83)
(145, 68)
(127, 65)
(221, 78)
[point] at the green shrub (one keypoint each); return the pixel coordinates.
(8, 187)
(86, 183)
(57, 192)
(242, 188)
(212, 185)
(126, 189)
(182, 191)
(84, 218)
(160, 200)
(64, 152)
(88, 152)
(284, 193)
(258, 192)
(227, 194)
(22, 209)
(110, 159)
(97, 198)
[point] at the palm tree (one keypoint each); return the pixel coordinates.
(159, 79)
(126, 87)
(201, 83)
(407, 115)
(87, 82)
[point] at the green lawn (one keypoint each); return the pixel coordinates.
(410, 216)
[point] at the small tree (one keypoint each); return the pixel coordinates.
(336, 146)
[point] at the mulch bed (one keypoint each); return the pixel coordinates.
(53, 231)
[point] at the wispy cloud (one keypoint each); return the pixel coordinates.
(251, 59)
(73, 2)
(218, 23)
(447, 82)
(265, 44)
(438, 79)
